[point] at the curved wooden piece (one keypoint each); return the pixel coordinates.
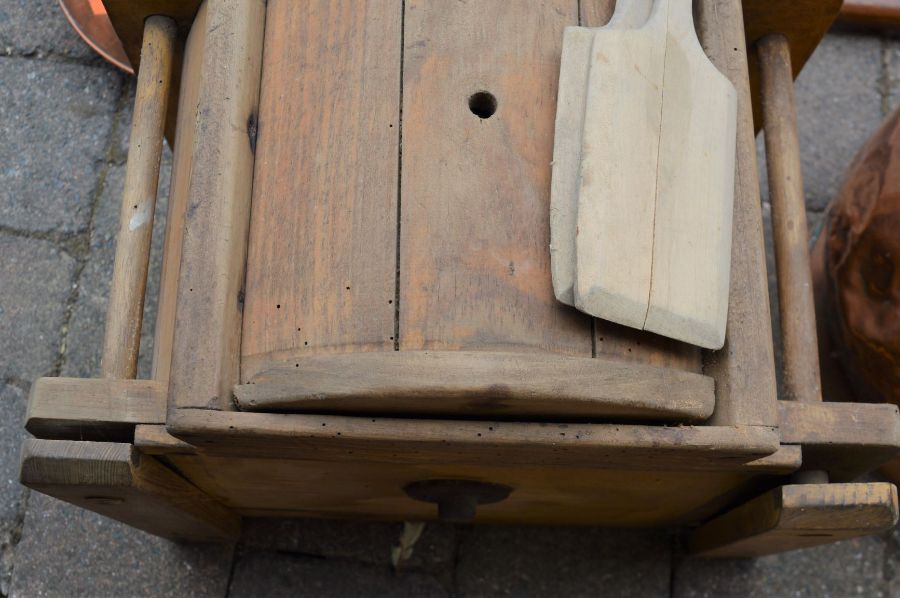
(477, 383)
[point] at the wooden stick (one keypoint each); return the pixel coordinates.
(795, 291)
(126, 297)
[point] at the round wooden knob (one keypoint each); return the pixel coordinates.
(457, 500)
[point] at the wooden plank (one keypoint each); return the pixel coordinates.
(206, 347)
(413, 441)
(540, 495)
(186, 130)
(845, 439)
(115, 480)
(800, 357)
(475, 268)
(125, 310)
(615, 340)
(745, 368)
(322, 257)
(93, 409)
(798, 516)
(459, 383)
(153, 439)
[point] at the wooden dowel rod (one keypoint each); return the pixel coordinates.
(800, 357)
(126, 297)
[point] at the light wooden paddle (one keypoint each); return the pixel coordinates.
(695, 192)
(570, 110)
(653, 242)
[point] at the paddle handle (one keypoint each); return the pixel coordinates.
(800, 358)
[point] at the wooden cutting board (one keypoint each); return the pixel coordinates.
(653, 228)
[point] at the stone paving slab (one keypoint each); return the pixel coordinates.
(55, 122)
(35, 283)
(850, 568)
(563, 561)
(37, 27)
(68, 551)
(12, 494)
(277, 574)
(359, 541)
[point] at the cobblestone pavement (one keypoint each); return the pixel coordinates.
(63, 135)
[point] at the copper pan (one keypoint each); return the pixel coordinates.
(89, 19)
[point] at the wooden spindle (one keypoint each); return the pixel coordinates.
(126, 297)
(795, 292)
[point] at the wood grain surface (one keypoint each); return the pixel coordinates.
(322, 265)
(474, 233)
(459, 383)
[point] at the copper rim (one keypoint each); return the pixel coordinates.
(90, 21)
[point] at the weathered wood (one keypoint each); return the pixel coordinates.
(186, 129)
(115, 480)
(152, 439)
(416, 441)
(800, 359)
(125, 311)
(322, 261)
(206, 346)
(93, 409)
(566, 167)
(618, 178)
(845, 439)
(798, 516)
(474, 234)
(372, 490)
(745, 368)
(692, 223)
(615, 340)
(459, 383)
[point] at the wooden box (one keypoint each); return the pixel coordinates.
(356, 316)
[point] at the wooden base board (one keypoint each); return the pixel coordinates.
(115, 480)
(798, 516)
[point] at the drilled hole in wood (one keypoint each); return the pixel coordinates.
(483, 104)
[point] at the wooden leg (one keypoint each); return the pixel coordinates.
(117, 481)
(798, 516)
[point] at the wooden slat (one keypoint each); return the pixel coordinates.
(322, 258)
(93, 409)
(540, 495)
(745, 368)
(474, 236)
(206, 348)
(845, 439)
(186, 129)
(459, 383)
(798, 516)
(413, 441)
(125, 311)
(115, 480)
